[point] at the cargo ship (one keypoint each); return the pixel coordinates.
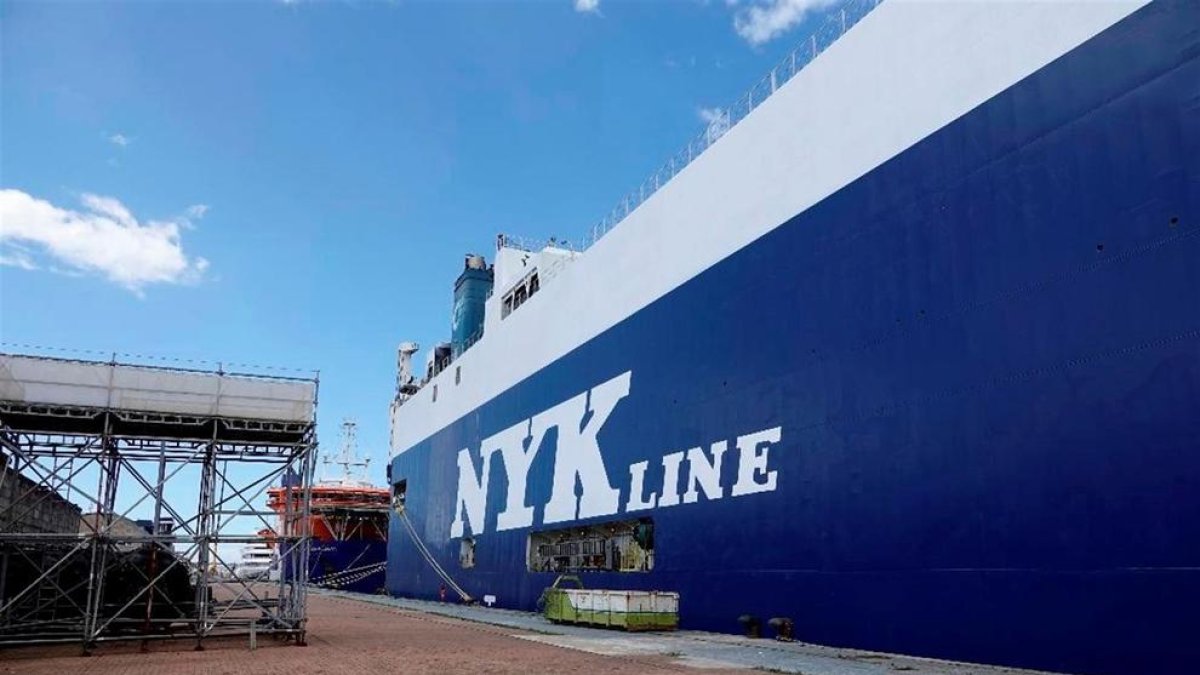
(905, 348)
(348, 521)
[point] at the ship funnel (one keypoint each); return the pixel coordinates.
(471, 291)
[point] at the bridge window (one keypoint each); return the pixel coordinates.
(519, 293)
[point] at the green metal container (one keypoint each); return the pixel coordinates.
(628, 610)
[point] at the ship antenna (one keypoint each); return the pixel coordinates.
(348, 456)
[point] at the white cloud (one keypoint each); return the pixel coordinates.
(710, 115)
(104, 238)
(120, 139)
(18, 258)
(587, 6)
(765, 20)
(197, 211)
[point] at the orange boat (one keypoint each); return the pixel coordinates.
(348, 520)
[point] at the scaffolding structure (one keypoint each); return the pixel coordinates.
(86, 447)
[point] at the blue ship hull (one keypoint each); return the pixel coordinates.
(984, 360)
(354, 565)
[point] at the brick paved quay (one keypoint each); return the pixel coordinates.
(375, 634)
(345, 636)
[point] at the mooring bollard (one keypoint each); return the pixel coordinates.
(751, 625)
(783, 628)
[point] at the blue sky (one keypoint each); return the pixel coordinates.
(295, 183)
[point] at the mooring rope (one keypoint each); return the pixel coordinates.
(348, 576)
(428, 556)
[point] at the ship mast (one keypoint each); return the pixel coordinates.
(347, 458)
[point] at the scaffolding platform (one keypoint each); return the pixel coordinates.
(86, 446)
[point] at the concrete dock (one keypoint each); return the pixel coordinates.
(374, 634)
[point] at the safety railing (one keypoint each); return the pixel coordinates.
(840, 17)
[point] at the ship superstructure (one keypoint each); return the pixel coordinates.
(924, 378)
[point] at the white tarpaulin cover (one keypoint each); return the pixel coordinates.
(58, 382)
